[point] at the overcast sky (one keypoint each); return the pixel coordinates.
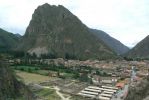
(125, 20)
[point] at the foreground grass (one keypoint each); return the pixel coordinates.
(78, 98)
(43, 94)
(31, 77)
(47, 94)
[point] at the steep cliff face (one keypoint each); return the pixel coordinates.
(55, 30)
(141, 49)
(10, 88)
(114, 44)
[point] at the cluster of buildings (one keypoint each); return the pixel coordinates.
(115, 69)
(100, 93)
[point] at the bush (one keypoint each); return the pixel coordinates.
(30, 70)
(37, 68)
(22, 69)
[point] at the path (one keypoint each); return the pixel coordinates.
(57, 91)
(69, 84)
(60, 94)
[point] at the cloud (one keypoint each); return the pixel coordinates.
(125, 20)
(16, 14)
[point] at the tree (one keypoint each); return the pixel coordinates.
(34, 55)
(76, 75)
(84, 77)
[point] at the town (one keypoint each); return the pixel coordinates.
(90, 79)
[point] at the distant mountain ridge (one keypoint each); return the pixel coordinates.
(18, 35)
(55, 30)
(8, 41)
(141, 49)
(114, 44)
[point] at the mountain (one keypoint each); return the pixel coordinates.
(114, 44)
(18, 35)
(10, 87)
(141, 49)
(7, 40)
(54, 30)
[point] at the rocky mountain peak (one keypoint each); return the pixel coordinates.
(54, 29)
(49, 18)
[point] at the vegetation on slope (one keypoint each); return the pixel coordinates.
(114, 44)
(7, 40)
(139, 92)
(10, 87)
(141, 50)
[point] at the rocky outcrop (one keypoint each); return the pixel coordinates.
(140, 91)
(56, 30)
(10, 87)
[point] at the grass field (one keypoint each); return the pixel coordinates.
(44, 94)
(31, 77)
(47, 94)
(78, 98)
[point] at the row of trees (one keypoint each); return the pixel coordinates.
(135, 58)
(73, 73)
(54, 55)
(22, 54)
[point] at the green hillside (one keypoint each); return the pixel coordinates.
(8, 41)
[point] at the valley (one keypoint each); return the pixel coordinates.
(61, 58)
